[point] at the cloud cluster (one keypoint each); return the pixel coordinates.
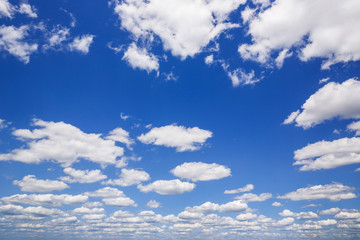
(129, 177)
(82, 176)
(333, 192)
(179, 137)
(166, 187)
(199, 171)
(330, 101)
(62, 143)
(30, 184)
(314, 29)
(44, 199)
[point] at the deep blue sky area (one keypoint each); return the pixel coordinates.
(175, 119)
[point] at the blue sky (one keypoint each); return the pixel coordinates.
(178, 119)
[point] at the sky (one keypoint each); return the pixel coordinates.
(179, 119)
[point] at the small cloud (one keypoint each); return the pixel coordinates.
(153, 204)
(82, 43)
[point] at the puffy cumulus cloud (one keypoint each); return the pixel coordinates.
(276, 204)
(247, 188)
(245, 216)
(56, 37)
(129, 177)
(85, 210)
(286, 221)
(29, 183)
(81, 43)
(166, 187)
(179, 137)
(328, 155)
(141, 58)
(34, 213)
(27, 9)
(354, 127)
(153, 204)
(93, 216)
(12, 40)
(82, 176)
(44, 199)
(106, 192)
(209, 207)
(199, 171)
(300, 216)
(121, 135)
(113, 197)
(340, 100)
(6, 9)
(251, 197)
(312, 28)
(184, 27)
(348, 214)
(62, 143)
(64, 220)
(330, 211)
(333, 192)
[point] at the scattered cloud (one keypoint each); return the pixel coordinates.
(314, 29)
(121, 135)
(199, 171)
(328, 155)
(166, 187)
(12, 40)
(179, 137)
(28, 10)
(332, 100)
(44, 199)
(141, 58)
(276, 204)
(82, 176)
(29, 183)
(153, 204)
(251, 197)
(247, 188)
(112, 197)
(354, 127)
(333, 192)
(82, 43)
(62, 143)
(184, 27)
(129, 177)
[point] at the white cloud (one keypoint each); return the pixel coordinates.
(279, 60)
(44, 199)
(62, 143)
(324, 80)
(141, 58)
(57, 36)
(348, 214)
(179, 137)
(330, 101)
(33, 213)
(6, 9)
(199, 171)
(247, 188)
(330, 211)
(82, 176)
(328, 155)
(315, 29)
(276, 204)
(245, 216)
(153, 204)
(65, 220)
(85, 210)
(209, 207)
(28, 10)
(251, 197)
(29, 183)
(129, 177)
(209, 59)
(121, 135)
(93, 216)
(165, 187)
(82, 43)
(286, 221)
(333, 192)
(184, 27)
(3, 124)
(240, 77)
(355, 127)
(106, 192)
(113, 197)
(12, 40)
